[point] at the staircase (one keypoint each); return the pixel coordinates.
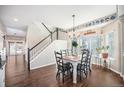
(43, 44)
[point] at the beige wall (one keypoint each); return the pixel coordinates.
(103, 31)
(62, 35)
(107, 29)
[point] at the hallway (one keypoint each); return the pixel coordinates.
(16, 70)
(17, 75)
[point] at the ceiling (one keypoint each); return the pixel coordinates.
(52, 15)
(15, 32)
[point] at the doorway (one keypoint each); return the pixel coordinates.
(16, 48)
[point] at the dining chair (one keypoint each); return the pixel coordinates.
(64, 52)
(69, 52)
(89, 62)
(62, 67)
(82, 66)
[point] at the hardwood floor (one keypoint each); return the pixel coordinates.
(17, 75)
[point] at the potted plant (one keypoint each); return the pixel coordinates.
(98, 50)
(105, 52)
(74, 46)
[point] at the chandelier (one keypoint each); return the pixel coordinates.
(73, 16)
(74, 38)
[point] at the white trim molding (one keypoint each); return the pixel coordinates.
(115, 71)
(43, 66)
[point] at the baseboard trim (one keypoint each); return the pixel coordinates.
(43, 66)
(115, 71)
(118, 73)
(122, 76)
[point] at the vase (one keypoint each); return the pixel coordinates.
(74, 51)
(105, 55)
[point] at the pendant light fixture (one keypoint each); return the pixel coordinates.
(74, 39)
(73, 31)
(73, 16)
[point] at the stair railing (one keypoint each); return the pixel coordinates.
(40, 46)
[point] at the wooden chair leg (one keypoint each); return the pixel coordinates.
(77, 73)
(57, 74)
(80, 75)
(63, 77)
(85, 73)
(72, 74)
(90, 69)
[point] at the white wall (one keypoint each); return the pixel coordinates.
(122, 48)
(2, 71)
(1, 36)
(120, 10)
(121, 36)
(2, 77)
(62, 35)
(2, 47)
(1, 41)
(121, 39)
(36, 32)
(47, 57)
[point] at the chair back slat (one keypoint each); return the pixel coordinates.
(67, 52)
(59, 58)
(64, 52)
(89, 57)
(85, 54)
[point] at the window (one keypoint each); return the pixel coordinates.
(96, 41)
(83, 42)
(91, 42)
(110, 43)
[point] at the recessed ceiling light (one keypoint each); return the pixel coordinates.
(15, 19)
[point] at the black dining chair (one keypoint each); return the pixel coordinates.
(82, 67)
(64, 52)
(69, 52)
(89, 62)
(63, 68)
